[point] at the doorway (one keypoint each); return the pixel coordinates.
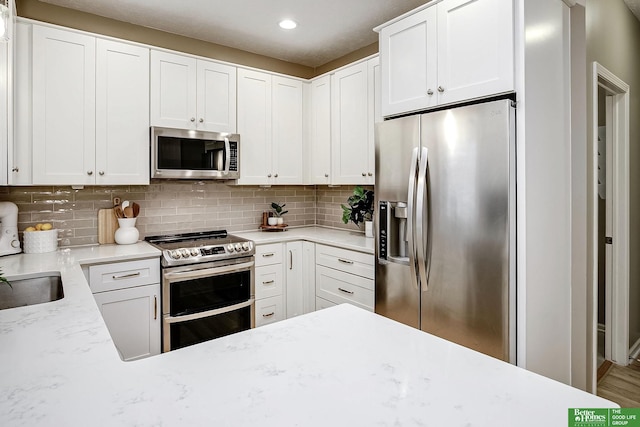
(610, 225)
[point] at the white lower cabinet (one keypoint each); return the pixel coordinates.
(269, 310)
(344, 276)
(128, 296)
(323, 303)
(133, 318)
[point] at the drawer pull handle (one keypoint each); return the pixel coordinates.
(346, 291)
(345, 261)
(268, 282)
(268, 255)
(155, 307)
(269, 315)
(126, 276)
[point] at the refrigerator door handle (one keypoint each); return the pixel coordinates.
(421, 238)
(411, 195)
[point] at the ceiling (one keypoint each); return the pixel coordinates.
(327, 29)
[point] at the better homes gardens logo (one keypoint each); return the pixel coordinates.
(588, 417)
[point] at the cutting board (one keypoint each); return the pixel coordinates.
(107, 226)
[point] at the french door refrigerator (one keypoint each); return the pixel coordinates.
(445, 219)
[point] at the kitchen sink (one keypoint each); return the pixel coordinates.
(30, 291)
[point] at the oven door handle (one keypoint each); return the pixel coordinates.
(179, 276)
(209, 313)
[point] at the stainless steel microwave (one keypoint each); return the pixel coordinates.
(191, 154)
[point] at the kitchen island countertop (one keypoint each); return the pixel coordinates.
(341, 366)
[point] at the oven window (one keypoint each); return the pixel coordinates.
(200, 330)
(188, 153)
(208, 293)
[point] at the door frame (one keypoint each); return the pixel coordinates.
(618, 305)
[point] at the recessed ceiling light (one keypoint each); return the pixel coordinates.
(287, 24)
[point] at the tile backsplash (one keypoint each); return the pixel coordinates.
(175, 206)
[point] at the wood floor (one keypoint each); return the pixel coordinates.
(621, 384)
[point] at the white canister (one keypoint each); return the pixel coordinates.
(127, 234)
(39, 242)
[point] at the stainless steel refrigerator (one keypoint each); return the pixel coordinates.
(445, 224)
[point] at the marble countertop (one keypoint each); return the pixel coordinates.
(341, 366)
(327, 236)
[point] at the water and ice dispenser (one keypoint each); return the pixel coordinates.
(392, 232)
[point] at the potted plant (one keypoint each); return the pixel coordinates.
(278, 211)
(360, 209)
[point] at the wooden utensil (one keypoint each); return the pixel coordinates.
(136, 209)
(107, 226)
(128, 212)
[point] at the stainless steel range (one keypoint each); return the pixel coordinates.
(207, 286)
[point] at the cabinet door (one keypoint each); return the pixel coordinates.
(287, 138)
(350, 125)
(254, 127)
(133, 318)
(216, 104)
(269, 310)
(64, 90)
(375, 115)
(20, 157)
(173, 90)
(320, 140)
(295, 280)
(309, 276)
(269, 281)
(122, 113)
(408, 51)
(475, 49)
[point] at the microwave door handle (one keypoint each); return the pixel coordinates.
(227, 156)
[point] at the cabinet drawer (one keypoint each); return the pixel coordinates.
(269, 281)
(269, 310)
(269, 254)
(323, 303)
(352, 262)
(338, 287)
(120, 275)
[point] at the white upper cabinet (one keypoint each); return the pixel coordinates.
(287, 120)
(189, 93)
(452, 51)
(64, 90)
(122, 113)
(90, 103)
(351, 118)
(475, 49)
(408, 49)
(254, 127)
(320, 132)
(270, 124)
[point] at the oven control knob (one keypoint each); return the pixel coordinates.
(245, 246)
(185, 253)
(195, 252)
(174, 254)
(238, 247)
(230, 247)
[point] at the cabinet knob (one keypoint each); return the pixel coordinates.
(429, 92)
(193, 119)
(201, 120)
(89, 173)
(275, 176)
(364, 174)
(370, 174)
(326, 175)
(269, 176)
(15, 170)
(440, 89)
(101, 173)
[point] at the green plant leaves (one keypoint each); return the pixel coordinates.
(360, 207)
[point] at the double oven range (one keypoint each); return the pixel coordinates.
(207, 286)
